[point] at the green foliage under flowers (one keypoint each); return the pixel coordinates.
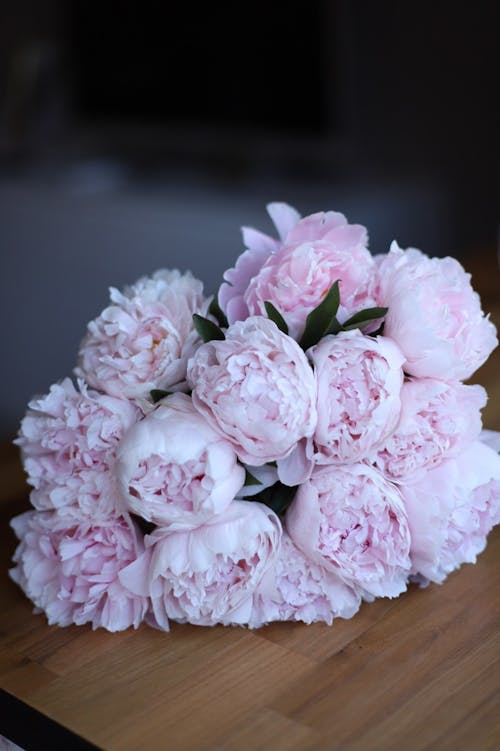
(322, 320)
(215, 311)
(158, 394)
(208, 330)
(250, 479)
(274, 315)
(319, 323)
(364, 318)
(278, 497)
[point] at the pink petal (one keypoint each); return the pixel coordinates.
(284, 217)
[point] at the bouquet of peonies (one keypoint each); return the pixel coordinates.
(299, 443)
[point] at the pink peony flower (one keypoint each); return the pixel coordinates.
(174, 469)
(259, 247)
(320, 250)
(208, 575)
(89, 495)
(359, 385)
(71, 572)
(256, 388)
(352, 521)
(297, 589)
(434, 315)
(296, 273)
(68, 441)
(451, 510)
(144, 339)
(437, 421)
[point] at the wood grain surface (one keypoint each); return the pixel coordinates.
(419, 672)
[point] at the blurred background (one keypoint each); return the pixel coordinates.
(141, 135)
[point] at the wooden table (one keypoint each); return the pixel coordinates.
(420, 672)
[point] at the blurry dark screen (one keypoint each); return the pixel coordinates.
(258, 64)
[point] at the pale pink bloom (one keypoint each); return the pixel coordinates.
(296, 272)
(330, 226)
(298, 589)
(359, 387)
(318, 252)
(68, 440)
(208, 575)
(70, 571)
(256, 388)
(144, 339)
(174, 469)
(434, 315)
(437, 421)
(258, 248)
(352, 521)
(451, 510)
(89, 494)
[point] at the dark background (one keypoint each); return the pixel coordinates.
(139, 135)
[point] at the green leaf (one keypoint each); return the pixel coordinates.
(207, 329)
(335, 327)
(321, 318)
(145, 526)
(274, 315)
(250, 479)
(158, 394)
(215, 310)
(360, 325)
(364, 317)
(278, 497)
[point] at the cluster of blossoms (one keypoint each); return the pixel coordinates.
(300, 443)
